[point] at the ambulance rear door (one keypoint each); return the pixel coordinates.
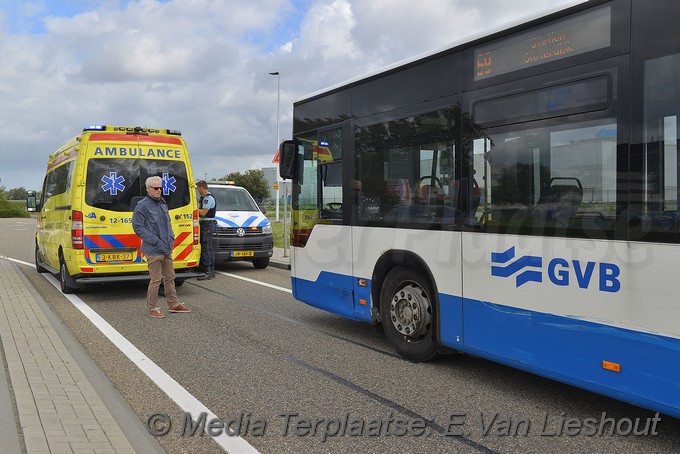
(117, 168)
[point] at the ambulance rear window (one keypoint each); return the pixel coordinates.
(112, 183)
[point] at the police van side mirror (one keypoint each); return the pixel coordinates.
(31, 203)
(288, 158)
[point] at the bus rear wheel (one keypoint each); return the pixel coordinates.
(408, 314)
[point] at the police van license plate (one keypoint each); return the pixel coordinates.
(115, 257)
(242, 253)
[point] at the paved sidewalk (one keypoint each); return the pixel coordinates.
(52, 398)
(56, 407)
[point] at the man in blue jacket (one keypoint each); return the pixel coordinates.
(151, 222)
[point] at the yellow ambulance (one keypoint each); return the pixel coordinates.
(92, 184)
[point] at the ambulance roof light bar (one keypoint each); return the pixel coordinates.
(134, 130)
(95, 128)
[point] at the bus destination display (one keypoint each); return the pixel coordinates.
(576, 35)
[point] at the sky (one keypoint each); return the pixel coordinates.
(202, 67)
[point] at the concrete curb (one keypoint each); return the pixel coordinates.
(278, 260)
(279, 264)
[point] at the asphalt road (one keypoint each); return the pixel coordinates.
(305, 381)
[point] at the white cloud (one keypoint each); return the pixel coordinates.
(326, 31)
(201, 66)
(388, 26)
(287, 48)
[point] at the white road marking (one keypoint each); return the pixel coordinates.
(186, 401)
(21, 262)
(253, 281)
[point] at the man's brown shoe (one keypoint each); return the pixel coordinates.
(179, 309)
(156, 313)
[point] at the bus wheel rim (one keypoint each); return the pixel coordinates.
(411, 311)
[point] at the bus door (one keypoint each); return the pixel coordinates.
(321, 238)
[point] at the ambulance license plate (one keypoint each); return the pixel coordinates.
(115, 257)
(242, 253)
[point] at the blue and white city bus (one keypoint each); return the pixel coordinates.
(513, 197)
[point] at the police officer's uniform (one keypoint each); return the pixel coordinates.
(207, 223)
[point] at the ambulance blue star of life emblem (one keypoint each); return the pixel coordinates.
(113, 183)
(168, 184)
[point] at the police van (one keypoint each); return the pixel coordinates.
(242, 232)
(92, 184)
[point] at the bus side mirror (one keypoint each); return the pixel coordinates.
(31, 203)
(288, 157)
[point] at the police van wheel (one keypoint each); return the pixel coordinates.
(408, 314)
(38, 267)
(65, 279)
(261, 264)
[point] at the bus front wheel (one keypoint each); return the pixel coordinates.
(408, 314)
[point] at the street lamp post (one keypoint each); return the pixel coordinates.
(278, 142)
(278, 91)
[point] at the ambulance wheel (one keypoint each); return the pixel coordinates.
(261, 263)
(38, 267)
(65, 279)
(408, 314)
(179, 283)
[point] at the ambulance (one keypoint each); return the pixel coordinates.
(84, 212)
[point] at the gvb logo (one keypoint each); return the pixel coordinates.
(511, 266)
(560, 271)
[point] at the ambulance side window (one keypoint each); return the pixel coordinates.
(44, 195)
(57, 181)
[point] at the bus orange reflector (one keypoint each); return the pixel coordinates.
(362, 302)
(614, 367)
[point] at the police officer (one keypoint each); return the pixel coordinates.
(207, 206)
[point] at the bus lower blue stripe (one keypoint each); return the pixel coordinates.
(572, 351)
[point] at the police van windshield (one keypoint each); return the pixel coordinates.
(233, 199)
(112, 183)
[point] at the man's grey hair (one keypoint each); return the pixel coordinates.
(151, 180)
